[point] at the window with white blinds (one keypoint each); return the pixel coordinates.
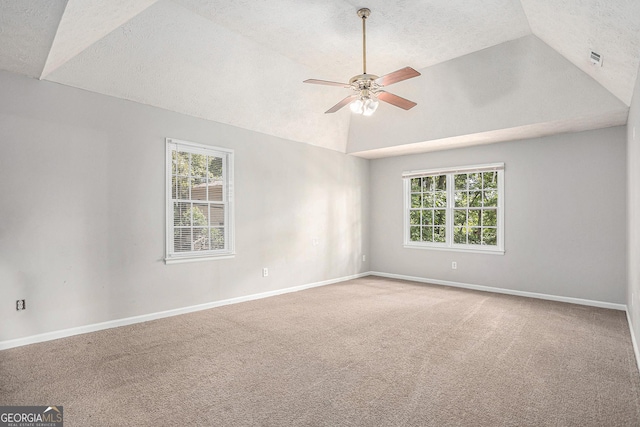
(199, 202)
(455, 208)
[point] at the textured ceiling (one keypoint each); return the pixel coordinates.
(327, 35)
(85, 22)
(610, 28)
(27, 29)
(242, 62)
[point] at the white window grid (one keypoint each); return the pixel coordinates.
(480, 209)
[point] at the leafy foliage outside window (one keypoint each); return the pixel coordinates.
(475, 209)
(427, 216)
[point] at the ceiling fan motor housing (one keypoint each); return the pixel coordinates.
(364, 82)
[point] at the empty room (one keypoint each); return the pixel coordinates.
(319, 213)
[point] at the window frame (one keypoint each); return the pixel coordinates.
(227, 155)
(449, 244)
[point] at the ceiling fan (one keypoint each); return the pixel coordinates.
(367, 88)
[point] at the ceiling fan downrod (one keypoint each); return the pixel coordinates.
(364, 14)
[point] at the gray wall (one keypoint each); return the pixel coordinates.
(82, 213)
(565, 217)
(633, 164)
(82, 210)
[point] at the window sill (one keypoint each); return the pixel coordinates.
(181, 260)
(450, 249)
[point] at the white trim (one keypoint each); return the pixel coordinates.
(483, 288)
(478, 250)
(196, 148)
(633, 340)
(48, 336)
(181, 260)
(441, 171)
(168, 216)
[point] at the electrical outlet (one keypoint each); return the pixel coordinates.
(265, 272)
(454, 265)
(364, 258)
(21, 304)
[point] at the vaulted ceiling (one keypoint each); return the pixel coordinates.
(243, 62)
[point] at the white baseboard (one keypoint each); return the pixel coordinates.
(571, 300)
(48, 336)
(633, 341)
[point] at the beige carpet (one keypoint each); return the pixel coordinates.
(368, 352)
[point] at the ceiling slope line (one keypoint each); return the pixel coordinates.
(53, 40)
(85, 22)
(526, 16)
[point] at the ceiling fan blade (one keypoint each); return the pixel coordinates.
(341, 104)
(397, 76)
(325, 82)
(396, 100)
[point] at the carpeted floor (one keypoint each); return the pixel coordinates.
(368, 352)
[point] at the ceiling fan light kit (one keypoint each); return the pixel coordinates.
(367, 88)
(366, 104)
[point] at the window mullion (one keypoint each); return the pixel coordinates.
(449, 213)
(500, 211)
(225, 202)
(407, 210)
(224, 180)
(170, 241)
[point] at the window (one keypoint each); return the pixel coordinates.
(455, 209)
(199, 202)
